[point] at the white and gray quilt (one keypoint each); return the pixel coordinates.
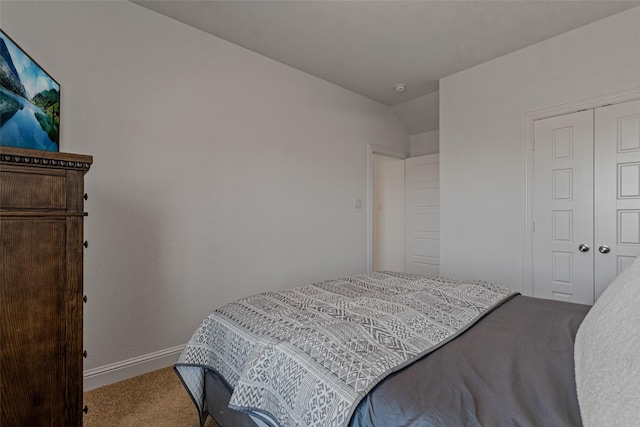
(307, 356)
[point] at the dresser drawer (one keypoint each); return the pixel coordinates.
(41, 288)
(21, 190)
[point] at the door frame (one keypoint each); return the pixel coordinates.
(528, 119)
(383, 151)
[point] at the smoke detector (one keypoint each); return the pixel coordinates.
(401, 87)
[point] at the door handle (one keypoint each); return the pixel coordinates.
(604, 249)
(583, 248)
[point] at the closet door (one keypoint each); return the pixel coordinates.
(617, 190)
(563, 208)
(587, 201)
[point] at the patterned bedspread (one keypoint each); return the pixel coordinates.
(307, 356)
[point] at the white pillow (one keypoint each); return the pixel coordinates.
(607, 355)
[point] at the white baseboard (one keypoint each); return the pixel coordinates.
(109, 374)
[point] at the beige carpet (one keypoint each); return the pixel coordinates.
(155, 399)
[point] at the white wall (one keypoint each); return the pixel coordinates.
(420, 114)
(425, 143)
(481, 137)
(217, 172)
(388, 213)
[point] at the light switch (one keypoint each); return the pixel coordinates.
(357, 203)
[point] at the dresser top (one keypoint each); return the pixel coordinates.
(23, 156)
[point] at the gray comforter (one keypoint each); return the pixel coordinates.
(307, 356)
(513, 368)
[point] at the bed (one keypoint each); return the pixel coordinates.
(393, 349)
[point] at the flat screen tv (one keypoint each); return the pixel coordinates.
(29, 101)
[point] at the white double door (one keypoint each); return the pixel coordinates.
(586, 201)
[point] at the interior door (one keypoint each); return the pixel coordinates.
(422, 215)
(617, 192)
(563, 208)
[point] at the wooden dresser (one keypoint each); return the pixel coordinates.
(41, 296)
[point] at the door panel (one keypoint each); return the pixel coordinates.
(563, 208)
(617, 196)
(422, 215)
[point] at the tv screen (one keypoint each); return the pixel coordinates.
(29, 101)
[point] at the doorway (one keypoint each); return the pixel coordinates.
(388, 213)
(408, 215)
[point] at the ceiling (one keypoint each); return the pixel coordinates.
(370, 46)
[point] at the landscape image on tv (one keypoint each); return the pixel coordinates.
(29, 101)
